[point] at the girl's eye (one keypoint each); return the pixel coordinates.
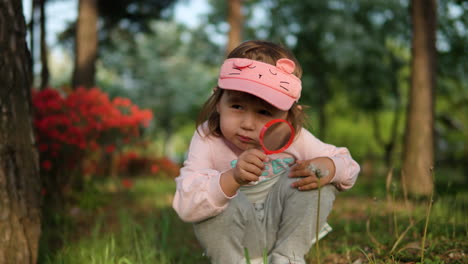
(265, 112)
(236, 106)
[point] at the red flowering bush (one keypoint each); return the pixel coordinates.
(131, 163)
(167, 166)
(71, 127)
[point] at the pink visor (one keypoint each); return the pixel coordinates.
(274, 84)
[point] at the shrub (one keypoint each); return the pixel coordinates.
(81, 125)
(131, 164)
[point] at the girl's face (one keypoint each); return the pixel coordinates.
(242, 116)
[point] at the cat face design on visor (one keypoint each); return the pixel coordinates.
(275, 84)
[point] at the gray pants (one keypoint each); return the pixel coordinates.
(285, 232)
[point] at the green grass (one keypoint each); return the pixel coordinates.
(378, 228)
(134, 243)
(121, 226)
(109, 223)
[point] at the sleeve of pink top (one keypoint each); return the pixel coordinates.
(199, 195)
(347, 169)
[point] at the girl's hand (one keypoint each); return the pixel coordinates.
(314, 172)
(249, 166)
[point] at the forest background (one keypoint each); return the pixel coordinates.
(145, 75)
(356, 56)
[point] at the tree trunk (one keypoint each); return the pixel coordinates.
(19, 170)
(32, 30)
(86, 44)
(235, 20)
(44, 50)
(419, 134)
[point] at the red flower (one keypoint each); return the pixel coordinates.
(46, 164)
(110, 148)
(93, 145)
(42, 147)
(126, 183)
(155, 168)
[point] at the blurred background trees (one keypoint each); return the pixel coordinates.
(356, 57)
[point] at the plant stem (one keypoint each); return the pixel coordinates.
(247, 257)
(423, 243)
(317, 226)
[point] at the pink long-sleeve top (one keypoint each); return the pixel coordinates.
(199, 194)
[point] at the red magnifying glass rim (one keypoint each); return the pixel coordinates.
(265, 128)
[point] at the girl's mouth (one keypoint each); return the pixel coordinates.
(245, 139)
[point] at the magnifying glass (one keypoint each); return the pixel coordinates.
(276, 136)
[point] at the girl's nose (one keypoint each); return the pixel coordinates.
(248, 122)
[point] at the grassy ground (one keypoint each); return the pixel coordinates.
(129, 222)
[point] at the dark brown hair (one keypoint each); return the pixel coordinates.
(263, 51)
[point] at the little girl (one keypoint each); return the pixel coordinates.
(237, 196)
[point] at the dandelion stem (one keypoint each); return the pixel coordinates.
(319, 175)
(317, 226)
(428, 213)
(247, 257)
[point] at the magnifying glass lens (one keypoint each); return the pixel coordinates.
(276, 136)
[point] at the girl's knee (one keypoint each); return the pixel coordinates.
(235, 212)
(224, 234)
(284, 184)
(306, 198)
(328, 192)
(238, 207)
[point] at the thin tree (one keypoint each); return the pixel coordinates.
(137, 16)
(20, 219)
(86, 44)
(44, 50)
(235, 20)
(419, 134)
(32, 30)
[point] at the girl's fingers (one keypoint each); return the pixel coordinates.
(305, 181)
(248, 176)
(256, 162)
(301, 170)
(309, 183)
(299, 173)
(254, 159)
(302, 164)
(255, 153)
(251, 168)
(310, 186)
(250, 163)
